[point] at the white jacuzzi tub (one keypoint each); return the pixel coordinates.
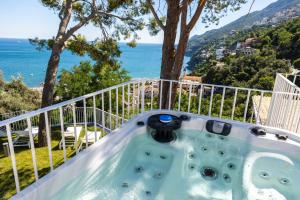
(266, 167)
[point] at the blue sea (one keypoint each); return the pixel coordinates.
(19, 57)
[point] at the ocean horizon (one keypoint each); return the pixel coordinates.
(19, 58)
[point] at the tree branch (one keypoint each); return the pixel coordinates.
(197, 14)
(113, 15)
(184, 8)
(85, 20)
(72, 30)
(159, 22)
(65, 18)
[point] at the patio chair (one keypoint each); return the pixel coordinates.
(69, 136)
(2, 132)
(22, 139)
(90, 138)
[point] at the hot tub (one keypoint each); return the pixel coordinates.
(200, 162)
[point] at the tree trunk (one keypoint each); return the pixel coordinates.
(172, 58)
(168, 49)
(48, 90)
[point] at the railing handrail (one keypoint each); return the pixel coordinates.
(136, 80)
(288, 81)
(61, 104)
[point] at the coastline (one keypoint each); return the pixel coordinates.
(38, 89)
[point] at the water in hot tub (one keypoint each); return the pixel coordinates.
(197, 165)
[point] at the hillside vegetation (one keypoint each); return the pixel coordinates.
(16, 96)
(278, 48)
(274, 13)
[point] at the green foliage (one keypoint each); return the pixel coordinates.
(153, 26)
(41, 43)
(16, 96)
(114, 18)
(286, 39)
(216, 9)
(277, 46)
(88, 77)
(256, 71)
(241, 24)
(297, 63)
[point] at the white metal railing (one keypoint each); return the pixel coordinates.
(109, 108)
(5, 116)
(284, 110)
(294, 78)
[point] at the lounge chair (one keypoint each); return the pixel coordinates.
(2, 132)
(69, 136)
(91, 137)
(22, 139)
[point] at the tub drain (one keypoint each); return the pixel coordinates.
(191, 166)
(139, 169)
(148, 193)
(204, 148)
(209, 173)
(192, 155)
(264, 175)
(284, 181)
(158, 175)
(226, 178)
(221, 153)
(230, 166)
(124, 185)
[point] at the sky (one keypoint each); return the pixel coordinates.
(29, 19)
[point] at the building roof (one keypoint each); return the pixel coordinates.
(192, 78)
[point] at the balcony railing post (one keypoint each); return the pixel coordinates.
(143, 97)
(200, 100)
(246, 105)
(133, 99)
(160, 93)
(95, 118)
(289, 107)
(179, 96)
(138, 97)
(259, 105)
(170, 94)
(62, 129)
(13, 157)
(48, 140)
(85, 123)
(103, 114)
(32, 149)
(75, 129)
(234, 103)
(110, 110)
(298, 125)
(222, 102)
(117, 107)
(294, 111)
(128, 101)
(123, 100)
(152, 91)
(190, 96)
(211, 100)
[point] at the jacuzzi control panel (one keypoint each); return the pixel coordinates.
(218, 127)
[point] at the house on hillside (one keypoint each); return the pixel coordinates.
(247, 51)
(191, 79)
(220, 53)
